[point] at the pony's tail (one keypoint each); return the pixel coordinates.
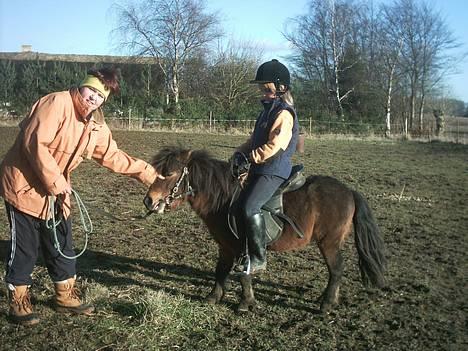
(369, 244)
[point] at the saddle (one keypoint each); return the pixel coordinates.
(273, 213)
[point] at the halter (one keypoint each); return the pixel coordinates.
(174, 192)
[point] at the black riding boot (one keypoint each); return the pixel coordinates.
(255, 233)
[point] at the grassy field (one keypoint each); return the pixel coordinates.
(148, 278)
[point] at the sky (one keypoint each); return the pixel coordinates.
(72, 27)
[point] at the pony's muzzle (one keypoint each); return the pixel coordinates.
(154, 206)
(148, 203)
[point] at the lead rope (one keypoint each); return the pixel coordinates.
(84, 216)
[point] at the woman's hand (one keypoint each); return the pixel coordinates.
(66, 191)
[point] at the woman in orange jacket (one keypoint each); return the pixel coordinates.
(61, 130)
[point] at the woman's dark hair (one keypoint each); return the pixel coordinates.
(108, 76)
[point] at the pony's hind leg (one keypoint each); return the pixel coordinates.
(223, 267)
(334, 261)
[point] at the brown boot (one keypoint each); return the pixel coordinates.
(67, 299)
(20, 305)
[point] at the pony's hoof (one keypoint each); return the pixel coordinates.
(246, 307)
(212, 299)
(326, 308)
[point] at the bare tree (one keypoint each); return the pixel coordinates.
(321, 39)
(171, 31)
(436, 42)
(340, 22)
(234, 65)
(390, 43)
(425, 55)
(308, 36)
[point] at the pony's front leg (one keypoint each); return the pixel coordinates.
(223, 267)
(248, 299)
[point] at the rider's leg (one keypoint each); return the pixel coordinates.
(258, 192)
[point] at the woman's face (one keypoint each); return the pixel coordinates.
(93, 98)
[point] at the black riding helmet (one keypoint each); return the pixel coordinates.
(272, 72)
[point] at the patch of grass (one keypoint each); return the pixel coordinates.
(157, 320)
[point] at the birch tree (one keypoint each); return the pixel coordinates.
(320, 39)
(170, 31)
(389, 56)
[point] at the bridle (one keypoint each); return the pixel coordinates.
(174, 195)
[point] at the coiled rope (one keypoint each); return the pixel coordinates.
(85, 221)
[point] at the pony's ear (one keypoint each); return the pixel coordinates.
(186, 156)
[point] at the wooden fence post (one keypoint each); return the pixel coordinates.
(129, 117)
(211, 118)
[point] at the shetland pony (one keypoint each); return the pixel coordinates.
(324, 208)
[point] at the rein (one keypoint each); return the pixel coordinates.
(84, 215)
(231, 218)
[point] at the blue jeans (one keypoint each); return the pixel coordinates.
(259, 189)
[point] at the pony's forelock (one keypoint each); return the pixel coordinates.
(207, 175)
(169, 159)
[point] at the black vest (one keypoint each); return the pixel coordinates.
(280, 163)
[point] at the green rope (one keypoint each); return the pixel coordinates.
(85, 221)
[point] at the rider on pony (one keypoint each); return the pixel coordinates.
(266, 156)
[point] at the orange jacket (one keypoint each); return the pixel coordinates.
(279, 138)
(53, 140)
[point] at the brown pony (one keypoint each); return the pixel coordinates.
(323, 207)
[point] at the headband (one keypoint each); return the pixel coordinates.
(94, 82)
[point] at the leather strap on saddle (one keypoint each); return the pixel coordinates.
(284, 217)
(275, 205)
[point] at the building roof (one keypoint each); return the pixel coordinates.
(31, 55)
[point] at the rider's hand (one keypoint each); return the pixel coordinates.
(240, 164)
(242, 179)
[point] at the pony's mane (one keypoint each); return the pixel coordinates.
(208, 175)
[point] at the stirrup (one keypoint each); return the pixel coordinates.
(243, 264)
(259, 269)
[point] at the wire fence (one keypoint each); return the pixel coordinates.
(455, 129)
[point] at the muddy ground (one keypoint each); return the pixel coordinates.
(148, 278)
